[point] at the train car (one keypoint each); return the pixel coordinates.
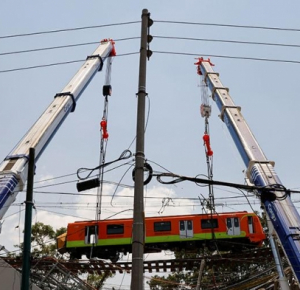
(106, 239)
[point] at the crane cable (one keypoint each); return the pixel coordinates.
(104, 136)
(209, 162)
(205, 110)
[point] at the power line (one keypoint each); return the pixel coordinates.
(40, 66)
(228, 25)
(161, 52)
(72, 174)
(155, 36)
(67, 29)
(56, 63)
(131, 196)
(227, 41)
(61, 46)
(228, 56)
(158, 21)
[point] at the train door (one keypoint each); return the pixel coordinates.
(186, 229)
(91, 235)
(233, 226)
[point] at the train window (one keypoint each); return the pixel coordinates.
(115, 229)
(162, 226)
(250, 224)
(236, 222)
(250, 220)
(229, 224)
(189, 225)
(182, 225)
(91, 235)
(209, 223)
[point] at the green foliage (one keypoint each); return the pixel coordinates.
(43, 240)
(172, 281)
(224, 273)
(97, 280)
(43, 243)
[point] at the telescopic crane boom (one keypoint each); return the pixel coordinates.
(13, 170)
(260, 171)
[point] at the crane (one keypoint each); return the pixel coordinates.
(276, 200)
(13, 169)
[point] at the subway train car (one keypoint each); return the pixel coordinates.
(106, 239)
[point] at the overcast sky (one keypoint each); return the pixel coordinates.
(267, 91)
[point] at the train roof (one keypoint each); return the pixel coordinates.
(165, 217)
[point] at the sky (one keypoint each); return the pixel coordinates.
(267, 91)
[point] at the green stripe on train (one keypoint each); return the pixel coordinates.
(154, 239)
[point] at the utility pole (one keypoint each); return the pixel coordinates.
(138, 231)
(28, 221)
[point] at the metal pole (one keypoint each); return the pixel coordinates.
(138, 234)
(200, 274)
(28, 219)
(283, 282)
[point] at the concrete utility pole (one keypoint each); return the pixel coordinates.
(138, 231)
(28, 220)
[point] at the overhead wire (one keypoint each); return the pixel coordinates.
(226, 205)
(127, 196)
(73, 181)
(181, 178)
(226, 56)
(57, 63)
(159, 52)
(67, 193)
(62, 46)
(226, 41)
(156, 51)
(247, 200)
(157, 21)
(228, 25)
(113, 195)
(124, 155)
(68, 29)
(165, 201)
(59, 213)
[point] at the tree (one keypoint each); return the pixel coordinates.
(43, 243)
(221, 271)
(97, 280)
(43, 240)
(178, 278)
